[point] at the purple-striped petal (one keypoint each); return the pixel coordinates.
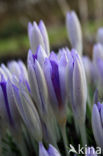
(45, 36)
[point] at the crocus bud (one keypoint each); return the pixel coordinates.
(55, 71)
(100, 35)
(76, 85)
(39, 92)
(37, 81)
(28, 111)
(89, 70)
(52, 151)
(38, 36)
(18, 69)
(7, 74)
(97, 123)
(77, 90)
(99, 76)
(97, 52)
(10, 117)
(74, 31)
(90, 152)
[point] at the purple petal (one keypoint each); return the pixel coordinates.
(53, 151)
(47, 72)
(45, 36)
(42, 150)
(56, 82)
(3, 86)
(97, 126)
(53, 57)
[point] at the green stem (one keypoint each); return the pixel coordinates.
(89, 102)
(83, 133)
(63, 131)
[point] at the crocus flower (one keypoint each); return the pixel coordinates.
(98, 68)
(76, 85)
(38, 36)
(27, 110)
(39, 92)
(8, 110)
(100, 35)
(18, 69)
(90, 76)
(37, 80)
(97, 52)
(90, 152)
(97, 123)
(74, 31)
(77, 88)
(52, 151)
(55, 71)
(89, 70)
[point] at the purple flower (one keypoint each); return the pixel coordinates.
(27, 110)
(38, 36)
(77, 91)
(19, 70)
(76, 86)
(97, 52)
(89, 69)
(97, 123)
(100, 35)
(52, 151)
(9, 114)
(74, 31)
(55, 71)
(37, 80)
(39, 92)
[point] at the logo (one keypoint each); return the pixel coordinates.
(84, 150)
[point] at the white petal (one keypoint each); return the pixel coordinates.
(74, 31)
(41, 55)
(97, 126)
(6, 71)
(35, 38)
(42, 150)
(45, 36)
(42, 87)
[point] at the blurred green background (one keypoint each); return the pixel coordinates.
(15, 15)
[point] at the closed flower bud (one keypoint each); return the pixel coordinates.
(97, 52)
(76, 86)
(39, 92)
(77, 90)
(10, 117)
(52, 151)
(28, 112)
(18, 69)
(55, 72)
(37, 81)
(97, 123)
(74, 31)
(89, 69)
(100, 35)
(38, 36)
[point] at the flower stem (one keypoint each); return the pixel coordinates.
(63, 131)
(83, 133)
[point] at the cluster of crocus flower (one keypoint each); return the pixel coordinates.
(37, 97)
(94, 76)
